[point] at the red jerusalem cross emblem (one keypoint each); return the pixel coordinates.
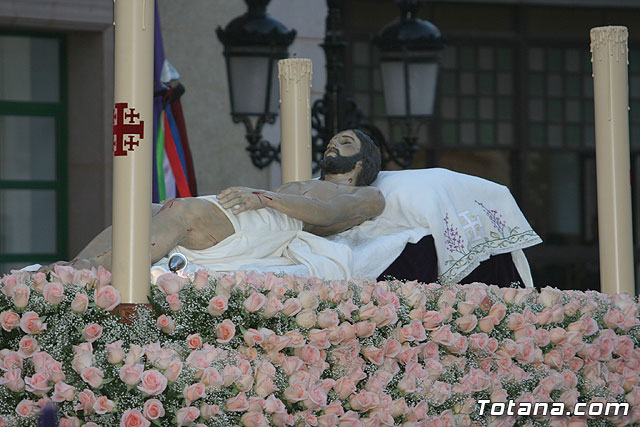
(130, 129)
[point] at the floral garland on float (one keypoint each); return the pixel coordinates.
(258, 349)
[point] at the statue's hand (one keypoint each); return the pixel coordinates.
(241, 199)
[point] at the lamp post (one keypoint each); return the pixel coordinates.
(409, 61)
(409, 55)
(253, 44)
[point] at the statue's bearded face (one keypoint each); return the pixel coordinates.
(342, 154)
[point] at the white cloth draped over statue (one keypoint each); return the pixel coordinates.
(470, 219)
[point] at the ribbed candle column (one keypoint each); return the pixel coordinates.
(132, 148)
(295, 121)
(611, 97)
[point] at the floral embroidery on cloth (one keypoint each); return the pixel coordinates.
(472, 244)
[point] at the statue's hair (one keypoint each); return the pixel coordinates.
(370, 157)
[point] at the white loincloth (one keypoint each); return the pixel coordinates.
(268, 240)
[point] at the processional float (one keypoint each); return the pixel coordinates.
(132, 148)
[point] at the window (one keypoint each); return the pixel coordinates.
(32, 150)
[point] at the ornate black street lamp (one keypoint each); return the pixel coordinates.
(253, 44)
(409, 55)
(409, 52)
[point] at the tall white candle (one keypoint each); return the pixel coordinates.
(132, 145)
(611, 95)
(295, 121)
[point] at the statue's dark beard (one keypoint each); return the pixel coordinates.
(335, 165)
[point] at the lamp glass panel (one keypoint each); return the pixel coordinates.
(248, 81)
(394, 87)
(274, 100)
(422, 87)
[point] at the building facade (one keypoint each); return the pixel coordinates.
(514, 105)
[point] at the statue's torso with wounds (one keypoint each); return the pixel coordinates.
(339, 201)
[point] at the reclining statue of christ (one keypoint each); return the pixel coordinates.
(340, 200)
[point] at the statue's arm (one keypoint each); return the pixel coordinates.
(354, 207)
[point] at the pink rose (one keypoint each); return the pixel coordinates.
(92, 376)
(153, 409)
(104, 277)
(174, 302)
(211, 377)
(70, 422)
(218, 305)
(107, 297)
(9, 320)
(133, 418)
(63, 391)
(134, 355)
(328, 318)
(173, 370)
(208, 411)
(187, 416)
(272, 307)
(432, 319)
(166, 324)
(38, 383)
(254, 302)
(85, 277)
(115, 353)
(308, 299)
(225, 331)
(39, 281)
(12, 380)
(80, 303)
(201, 279)
(443, 335)
(31, 323)
(26, 408)
(291, 307)
(53, 293)
(254, 419)
(103, 405)
(81, 360)
(131, 375)
(86, 399)
(460, 344)
(27, 346)
(20, 295)
(194, 392)
(613, 319)
(365, 329)
(431, 350)
(374, 355)
(624, 347)
(152, 383)
(306, 318)
(64, 272)
(486, 324)
(171, 283)
(466, 323)
(296, 392)
(92, 332)
(239, 403)
(194, 341)
(364, 401)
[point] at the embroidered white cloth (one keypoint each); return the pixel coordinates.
(470, 219)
